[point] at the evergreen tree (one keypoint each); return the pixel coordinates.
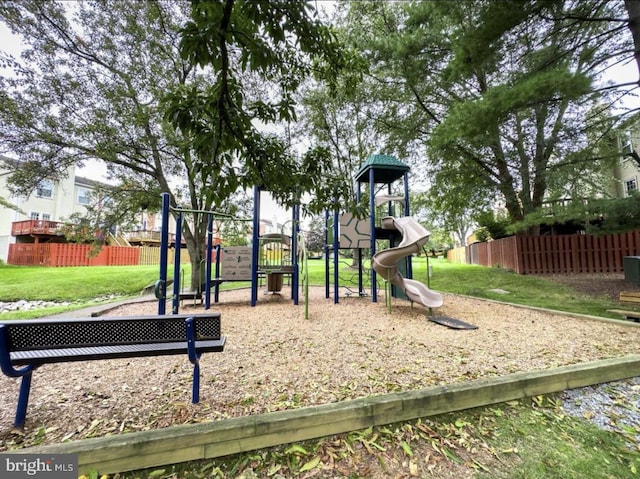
(497, 95)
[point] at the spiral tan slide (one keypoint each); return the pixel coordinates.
(385, 262)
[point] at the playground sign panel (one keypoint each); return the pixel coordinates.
(235, 262)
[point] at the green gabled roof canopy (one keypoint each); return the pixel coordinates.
(386, 169)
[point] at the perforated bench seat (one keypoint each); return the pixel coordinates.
(43, 356)
(31, 343)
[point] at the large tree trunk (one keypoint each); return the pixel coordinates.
(196, 245)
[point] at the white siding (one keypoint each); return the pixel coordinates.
(59, 206)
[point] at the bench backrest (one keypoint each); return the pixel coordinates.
(53, 333)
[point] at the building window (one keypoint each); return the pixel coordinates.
(36, 216)
(84, 196)
(45, 189)
(630, 186)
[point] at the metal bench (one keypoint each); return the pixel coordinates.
(27, 344)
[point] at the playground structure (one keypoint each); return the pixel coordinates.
(273, 257)
(405, 235)
(270, 256)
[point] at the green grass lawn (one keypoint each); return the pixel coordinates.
(73, 283)
(81, 285)
(478, 281)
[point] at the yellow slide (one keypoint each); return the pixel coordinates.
(385, 262)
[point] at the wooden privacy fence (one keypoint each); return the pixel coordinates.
(457, 255)
(149, 255)
(66, 254)
(554, 254)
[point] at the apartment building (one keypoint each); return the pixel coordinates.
(628, 170)
(34, 218)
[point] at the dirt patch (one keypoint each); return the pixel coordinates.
(596, 284)
(275, 360)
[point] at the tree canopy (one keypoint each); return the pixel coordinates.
(496, 97)
(492, 103)
(281, 44)
(171, 96)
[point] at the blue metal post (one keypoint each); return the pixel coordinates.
(295, 229)
(255, 245)
(207, 284)
(327, 276)
(176, 265)
(164, 253)
(336, 249)
(372, 208)
(194, 358)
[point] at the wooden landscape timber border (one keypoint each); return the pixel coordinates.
(175, 444)
(630, 298)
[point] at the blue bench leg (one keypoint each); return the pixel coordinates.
(23, 400)
(194, 357)
(195, 394)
